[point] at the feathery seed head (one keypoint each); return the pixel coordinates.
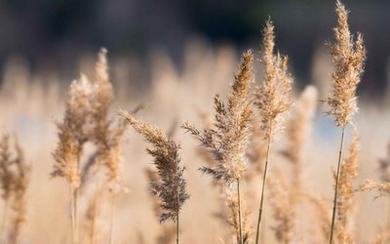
(273, 96)
(171, 189)
(348, 56)
(227, 141)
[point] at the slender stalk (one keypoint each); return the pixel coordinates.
(74, 215)
(336, 186)
(177, 227)
(239, 212)
(92, 231)
(263, 185)
(3, 222)
(112, 217)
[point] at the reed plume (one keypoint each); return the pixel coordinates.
(348, 56)
(105, 134)
(168, 231)
(72, 134)
(171, 189)
(227, 141)
(272, 99)
(14, 179)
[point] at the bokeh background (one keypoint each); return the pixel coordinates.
(55, 35)
(173, 56)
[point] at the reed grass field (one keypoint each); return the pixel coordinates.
(224, 147)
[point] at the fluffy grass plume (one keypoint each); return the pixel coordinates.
(348, 57)
(86, 120)
(227, 141)
(171, 189)
(272, 99)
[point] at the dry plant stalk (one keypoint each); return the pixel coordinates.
(348, 56)
(282, 211)
(91, 216)
(272, 99)
(14, 179)
(171, 189)
(228, 140)
(345, 203)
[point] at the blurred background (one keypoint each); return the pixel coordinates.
(55, 35)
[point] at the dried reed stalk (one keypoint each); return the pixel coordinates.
(228, 140)
(348, 56)
(171, 189)
(345, 204)
(272, 100)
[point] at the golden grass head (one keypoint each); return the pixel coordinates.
(227, 140)
(171, 189)
(73, 131)
(273, 96)
(348, 56)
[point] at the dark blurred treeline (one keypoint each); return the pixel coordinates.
(56, 33)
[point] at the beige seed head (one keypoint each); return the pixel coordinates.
(273, 96)
(348, 57)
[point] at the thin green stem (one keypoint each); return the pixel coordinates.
(263, 185)
(336, 187)
(239, 212)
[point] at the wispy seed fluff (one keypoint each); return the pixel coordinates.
(348, 56)
(227, 140)
(171, 188)
(273, 96)
(73, 132)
